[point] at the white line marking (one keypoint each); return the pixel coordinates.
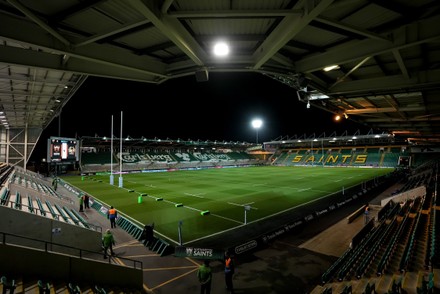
(306, 189)
(243, 205)
(227, 218)
(195, 195)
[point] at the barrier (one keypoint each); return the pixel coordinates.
(356, 214)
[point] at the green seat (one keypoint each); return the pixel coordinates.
(43, 287)
(8, 285)
(74, 289)
(100, 290)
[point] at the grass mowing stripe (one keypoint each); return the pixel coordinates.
(212, 189)
(200, 210)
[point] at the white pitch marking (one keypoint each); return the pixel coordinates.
(243, 205)
(195, 195)
(302, 190)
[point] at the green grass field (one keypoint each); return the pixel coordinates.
(224, 192)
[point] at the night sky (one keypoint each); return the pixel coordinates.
(219, 109)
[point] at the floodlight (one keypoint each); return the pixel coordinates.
(331, 67)
(256, 124)
(221, 49)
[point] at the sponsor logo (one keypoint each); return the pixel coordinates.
(245, 247)
(199, 252)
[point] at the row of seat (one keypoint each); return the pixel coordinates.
(7, 285)
(5, 171)
(378, 248)
(10, 285)
(28, 181)
(44, 208)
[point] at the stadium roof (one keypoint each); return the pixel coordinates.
(129, 142)
(386, 53)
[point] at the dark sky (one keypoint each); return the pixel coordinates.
(220, 109)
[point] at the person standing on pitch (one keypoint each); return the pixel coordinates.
(204, 275)
(112, 215)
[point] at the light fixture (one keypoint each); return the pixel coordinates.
(337, 117)
(308, 104)
(331, 67)
(221, 49)
(345, 115)
(256, 124)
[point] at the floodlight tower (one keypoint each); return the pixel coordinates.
(256, 124)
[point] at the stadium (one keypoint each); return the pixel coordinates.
(335, 212)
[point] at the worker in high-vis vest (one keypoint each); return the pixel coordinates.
(112, 215)
(229, 272)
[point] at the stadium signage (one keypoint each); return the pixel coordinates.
(295, 224)
(344, 202)
(246, 247)
(211, 157)
(273, 235)
(205, 253)
(321, 212)
(138, 157)
(331, 159)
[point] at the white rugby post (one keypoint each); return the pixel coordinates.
(246, 209)
(112, 177)
(120, 159)
(179, 230)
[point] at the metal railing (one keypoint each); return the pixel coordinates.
(55, 248)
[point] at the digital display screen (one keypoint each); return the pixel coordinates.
(62, 150)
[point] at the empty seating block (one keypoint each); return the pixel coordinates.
(4, 196)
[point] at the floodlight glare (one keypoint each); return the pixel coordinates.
(331, 67)
(256, 124)
(221, 49)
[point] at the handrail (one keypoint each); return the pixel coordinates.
(51, 247)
